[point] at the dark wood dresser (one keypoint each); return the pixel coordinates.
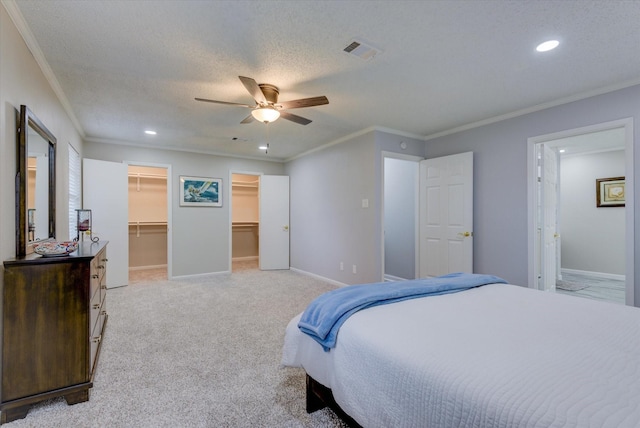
(53, 320)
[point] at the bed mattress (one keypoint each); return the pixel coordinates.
(495, 356)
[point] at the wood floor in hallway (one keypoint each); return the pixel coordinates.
(598, 288)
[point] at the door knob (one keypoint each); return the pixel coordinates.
(285, 228)
(465, 234)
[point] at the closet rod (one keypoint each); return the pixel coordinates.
(137, 224)
(147, 223)
(144, 175)
(138, 176)
(245, 183)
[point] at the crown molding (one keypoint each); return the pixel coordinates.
(539, 107)
(354, 135)
(179, 149)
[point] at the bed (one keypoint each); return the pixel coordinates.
(497, 355)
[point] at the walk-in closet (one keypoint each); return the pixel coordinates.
(147, 223)
(245, 224)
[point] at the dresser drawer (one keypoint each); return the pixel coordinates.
(96, 336)
(96, 306)
(98, 275)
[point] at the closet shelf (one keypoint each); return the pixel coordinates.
(252, 184)
(141, 175)
(147, 223)
(245, 223)
(138, 176)
(138, 224)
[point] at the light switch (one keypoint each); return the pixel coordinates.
(365, 203)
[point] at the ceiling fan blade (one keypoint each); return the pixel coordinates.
(253, 89)
(248, 119)
(223, 102)
(304, 102)
(294, 118)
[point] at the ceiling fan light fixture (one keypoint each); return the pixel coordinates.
(265, 114)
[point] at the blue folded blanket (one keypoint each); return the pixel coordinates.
(325, 315)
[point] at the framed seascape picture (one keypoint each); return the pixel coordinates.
(610, 192)
(200, 192)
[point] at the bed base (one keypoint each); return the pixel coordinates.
(319, 397)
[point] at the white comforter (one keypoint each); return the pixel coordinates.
(496, 356)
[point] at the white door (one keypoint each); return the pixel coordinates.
(274, 222)
(106, 193)
(549, 223)
(446, 215)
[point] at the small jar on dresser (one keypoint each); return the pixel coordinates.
(54, 315)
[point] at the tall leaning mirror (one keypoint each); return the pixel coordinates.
(35, 183)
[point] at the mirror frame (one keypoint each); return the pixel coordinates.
(29, 120)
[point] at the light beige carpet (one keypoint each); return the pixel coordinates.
(203, 352)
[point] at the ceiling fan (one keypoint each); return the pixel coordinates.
(267, 108)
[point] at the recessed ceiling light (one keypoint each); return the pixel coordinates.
(562, 150)
(263, 147)
(150, 132)
(547, 46)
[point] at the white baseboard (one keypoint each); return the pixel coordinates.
(322, 278)
(596, 274)
(243, 259)
(148, 267)
(200, 275)
(392, 278)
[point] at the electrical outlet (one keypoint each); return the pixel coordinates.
(354, 269)
(341, 265)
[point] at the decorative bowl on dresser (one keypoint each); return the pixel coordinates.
(54, 317)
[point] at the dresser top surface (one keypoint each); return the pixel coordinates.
(85, 251)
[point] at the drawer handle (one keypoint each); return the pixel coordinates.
(104, 287)
(96, 306)
(103, 313)
(105, 260)
(101, 267)
(95, 276)
(96, 339)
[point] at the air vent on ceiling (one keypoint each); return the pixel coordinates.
(362, 49)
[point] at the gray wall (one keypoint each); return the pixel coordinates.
(400, 182)
(22, 82)
(593, 239)
(200, 235)
(500, 175)
(328, 223)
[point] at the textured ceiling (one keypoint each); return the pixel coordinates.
(126, 66)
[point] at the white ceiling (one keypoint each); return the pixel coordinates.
(126, 66)
(592, 142)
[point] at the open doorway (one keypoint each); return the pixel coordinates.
(400, 216)
(577, 247)
(148, 224)
(245, 221)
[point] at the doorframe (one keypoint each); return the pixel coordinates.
(412, 158)
(169, 210)
(229, 191)
(532, 142)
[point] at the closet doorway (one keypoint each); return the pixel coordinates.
(245, 221)
(148, 224)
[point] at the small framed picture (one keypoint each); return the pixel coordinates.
(610, 192)
(200, 192)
